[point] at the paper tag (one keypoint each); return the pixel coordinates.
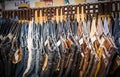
(104, 56)
(93, 39)
(58, 43)
(16, 55)
(10, 35)
(46, 42)
(89, 46)
(81, 41)
(76, 37)
(102, 40)
(82, 54)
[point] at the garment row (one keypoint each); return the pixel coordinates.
(64, 49)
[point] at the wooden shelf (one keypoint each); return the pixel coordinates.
(21, 6)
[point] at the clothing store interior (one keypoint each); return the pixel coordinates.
(59, 38)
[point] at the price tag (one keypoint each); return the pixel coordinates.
(93, 39)
(76, 37)
(104, 56)
(81, 41)
(46, 42)
(82, 54)
(58, 43)
(102, 40)
(16, 55)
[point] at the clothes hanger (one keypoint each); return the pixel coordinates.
(63, 40)
(17, 57)
(27, 16)
(33, 14)
(23, 16)
(45, 62)
(58, 12)
(10, 33)
(38, 15)
(20, 16)
(45, 59)
(80, 18)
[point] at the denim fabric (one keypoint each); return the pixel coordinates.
(62, 26)
(116, 39)
(16, 18)
(32, 40)
(31, 70)
(20, 65)
(106, 29)
(72, 52)
(45, 31)
(54, 28)
(22, 35)
(42, 32)
(56, 57)
(6, 27)
(40, 45)
(23, 40)
(93, 28)
(88, 27)
(1, 66)
(116, 27)
(59, 30)
(117, 33)
(67, 26)
(48, 72)
(23, 64)
(79, 30)
(74, 64)
(111, 26)
(37, 57)
(84, 28)
(30, 46)
(0, 20)
(51, 28)
(4, 58)
(74, 25)
(39, 32)
(7, 65)
(100, 27)
(41, 62)
(8, 50)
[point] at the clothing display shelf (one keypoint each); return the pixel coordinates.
(100, 8)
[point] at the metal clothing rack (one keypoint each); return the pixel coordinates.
(101, 8)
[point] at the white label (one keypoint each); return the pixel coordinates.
(16, 55)
(93, 39)
(10, 35)
(76, 37)
(89, 46)
(82, 54)
(104, 56)
(81, 41)
(58, 43)
(46, 42)
(102, 40)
